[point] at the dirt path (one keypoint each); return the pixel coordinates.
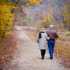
(28, 56)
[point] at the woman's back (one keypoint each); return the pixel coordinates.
(43, 37)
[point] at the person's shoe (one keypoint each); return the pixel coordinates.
(42, 58)
(51, 57)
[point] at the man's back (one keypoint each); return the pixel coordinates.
(51, 43)
(52, 34)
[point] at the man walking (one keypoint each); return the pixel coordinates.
(51, 43)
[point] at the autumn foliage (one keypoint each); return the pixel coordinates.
(6, 19)
(67, 15)
(34, 1)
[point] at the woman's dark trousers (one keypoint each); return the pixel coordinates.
(43, 53)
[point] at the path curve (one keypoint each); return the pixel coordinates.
(28, 56)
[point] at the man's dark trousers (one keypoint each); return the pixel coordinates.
(51, 45)
(43, 53)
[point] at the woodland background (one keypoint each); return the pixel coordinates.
(33, 13)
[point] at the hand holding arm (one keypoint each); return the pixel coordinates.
(47, 37)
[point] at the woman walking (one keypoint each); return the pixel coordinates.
(42, 40)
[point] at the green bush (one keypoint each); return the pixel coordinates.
(61, 35)
(67, 34)
(39, 29)
(20, 25)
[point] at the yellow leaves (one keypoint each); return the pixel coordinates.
(15, 0)
(38, 2)
(5, 19)
(31, 2)
(34, 1)
(14, 7)
(46, 20)
(8, 7)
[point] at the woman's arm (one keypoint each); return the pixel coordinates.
(37, 38)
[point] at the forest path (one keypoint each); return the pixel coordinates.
(29, 58)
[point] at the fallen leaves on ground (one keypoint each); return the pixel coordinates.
(7, 48)
(63, 52)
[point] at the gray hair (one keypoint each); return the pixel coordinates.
(51, 26)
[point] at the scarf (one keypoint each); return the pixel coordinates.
(40, 34)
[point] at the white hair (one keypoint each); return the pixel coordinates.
(42, 29)
(51, 26)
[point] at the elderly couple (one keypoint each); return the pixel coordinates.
(50, 36)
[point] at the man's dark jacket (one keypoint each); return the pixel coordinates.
(52, 34)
